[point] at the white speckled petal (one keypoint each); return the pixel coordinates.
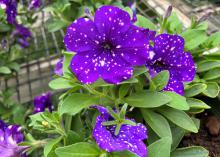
(111, 21)
(81, 35)
(84, 68)
(133, 46)
(129, 138)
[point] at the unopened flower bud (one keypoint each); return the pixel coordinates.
(168, 12)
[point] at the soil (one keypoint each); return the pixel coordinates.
(205, 137)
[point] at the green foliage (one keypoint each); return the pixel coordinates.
(82, 149)
(193, 151)
(147, 99)
(160, 148)
(74, 103)
(157, 122)
(193, 38)
(180, 118)
(178, 101)
(145, 23)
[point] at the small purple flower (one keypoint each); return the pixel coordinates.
(168, 54)
(42, 102)
(35, 4)
(22, 34)
(107, 47)
(59, 67)
(129, 137)
(10, 7)
(10, 136)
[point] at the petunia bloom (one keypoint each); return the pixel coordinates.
(10, 136)
(35, 4)
(129, 138)
(10, 7)
(43, 102)
(107, 47)
(22, 34)
(168, 54)
(59, 67)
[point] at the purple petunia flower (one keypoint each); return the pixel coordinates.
(35, 4)
(168, 54)
(22, 34)
(59, 67)
(10, 136)
(42, 102)
(107, 47)
(10, 7)
(129, 137)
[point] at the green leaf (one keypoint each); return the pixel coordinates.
(207, 65)
(145, 23)
(195, 89)
(177, 136)
(174, 25)
(73, 137)
(147, 99)
(55, 24)
(13, 65)
(212, 89)
(123, 90)
(61, 83)
(161, 79)
(193, 38)
(50, 146)
(197, 104)
(180, 118)
(160, 148)
(67, 59)
(139, 70)
(212, 74)
(123, 154)
(194, 151)
(4, 70)
(74, 103)
(82, 149)
(202, 26)
(4, 27)
(213, 40)
(178, 101)
(157, 122)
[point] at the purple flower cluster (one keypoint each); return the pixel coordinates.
(129, 137)
(43, 102)
(110, 46)
(10, 7)
(22, 34)
(10, 136)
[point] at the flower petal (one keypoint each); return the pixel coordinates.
(83, 66)
(129, 138)
(13, 135)
(166, 44)
(113, 68)
(111, 21)
(81, 35)
(174, 85)
(133, 46)
(182, 66)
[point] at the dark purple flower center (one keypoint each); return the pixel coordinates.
(107, 45)
(159, 63)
